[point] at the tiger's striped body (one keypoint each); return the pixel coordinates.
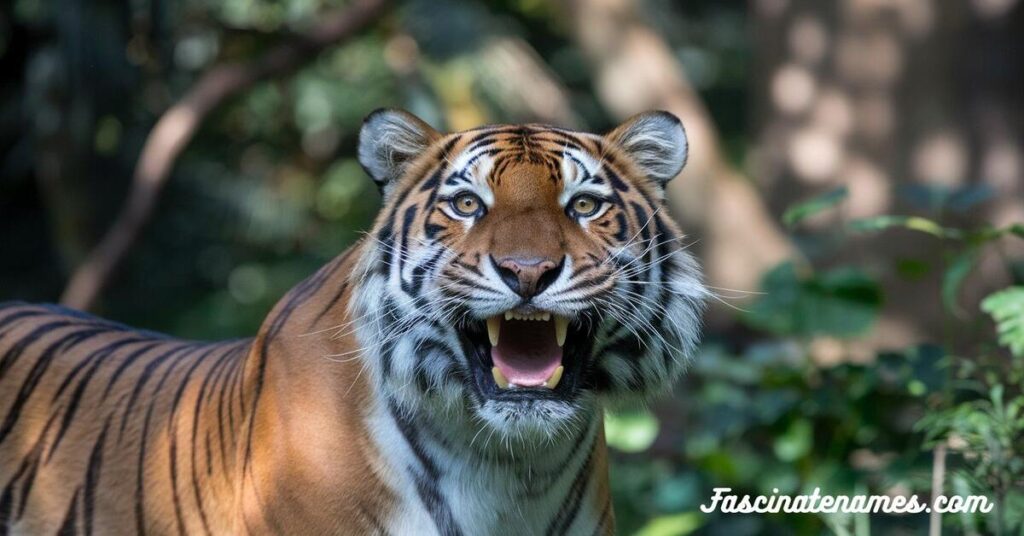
(362, 405)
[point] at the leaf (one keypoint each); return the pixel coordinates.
(801, 211)
(931, 197)
(914, 223)
(671, 525)
(1007, 308)
(630, 432)
(840, 303)
(954, 276)
(968, 196)
(795, 443)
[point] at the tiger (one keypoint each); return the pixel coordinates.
(447, 374)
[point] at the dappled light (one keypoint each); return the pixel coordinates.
(793, 89)
(815, 154)
(940, 159)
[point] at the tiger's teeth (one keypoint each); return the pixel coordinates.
(499, 378)
(556, 377)
(561, 329)
(532, 317)
(493, 329)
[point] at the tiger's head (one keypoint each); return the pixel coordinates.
(525, 273)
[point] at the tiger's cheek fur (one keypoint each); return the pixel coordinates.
(419, 358)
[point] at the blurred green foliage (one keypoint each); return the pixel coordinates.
(768, 419)
(843, 302)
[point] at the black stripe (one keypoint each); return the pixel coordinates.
(605, 521)
(38, 370)
(571, 504)
(616, 180)
(294, 298)
(127, 362)
(387, 316)
(420, 272)
(176, 500)
(96, 355)
(15, 351)
(10, 322)
(69, 526)
(218, 365)
(30, 466)
(550, 478)
(154, 397)
(234, 375)
(427, 479)
(183, 384)
(403, 249)
(425, 347)
(172, 430)
(143, 379)
(92, 477)
(341, 288)
(97, 358)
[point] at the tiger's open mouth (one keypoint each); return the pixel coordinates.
(523, 355)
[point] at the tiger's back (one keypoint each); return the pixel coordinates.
(93, 415)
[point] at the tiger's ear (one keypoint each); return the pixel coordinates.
(655, 141)
(389, 141)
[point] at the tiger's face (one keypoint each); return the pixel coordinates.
(524, 273)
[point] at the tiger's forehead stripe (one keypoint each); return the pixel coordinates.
(508, 146)
(479, 160)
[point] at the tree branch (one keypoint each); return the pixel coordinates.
(178, 125)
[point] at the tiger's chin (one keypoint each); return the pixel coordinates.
(531, 371)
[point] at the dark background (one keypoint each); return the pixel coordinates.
(855, 191)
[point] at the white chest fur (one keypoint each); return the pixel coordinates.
(448, 481)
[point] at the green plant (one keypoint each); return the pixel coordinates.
(984, 423)
(1007, 309)
(767, 416)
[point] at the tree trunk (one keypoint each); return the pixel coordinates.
(737, 238)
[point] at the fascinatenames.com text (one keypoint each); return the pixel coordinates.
(728, 503)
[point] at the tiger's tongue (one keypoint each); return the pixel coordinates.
(527, 352)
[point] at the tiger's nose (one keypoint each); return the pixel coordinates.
(527, 276)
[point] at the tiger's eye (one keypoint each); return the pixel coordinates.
(466, 205)
(584, 205)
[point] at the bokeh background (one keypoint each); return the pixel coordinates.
(855, 192)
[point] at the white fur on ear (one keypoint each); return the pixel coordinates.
(656, 141)
(389, 141)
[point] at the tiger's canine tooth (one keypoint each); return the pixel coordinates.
(493, 329)
(561, 329)
(499, 378)
(555, 377)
